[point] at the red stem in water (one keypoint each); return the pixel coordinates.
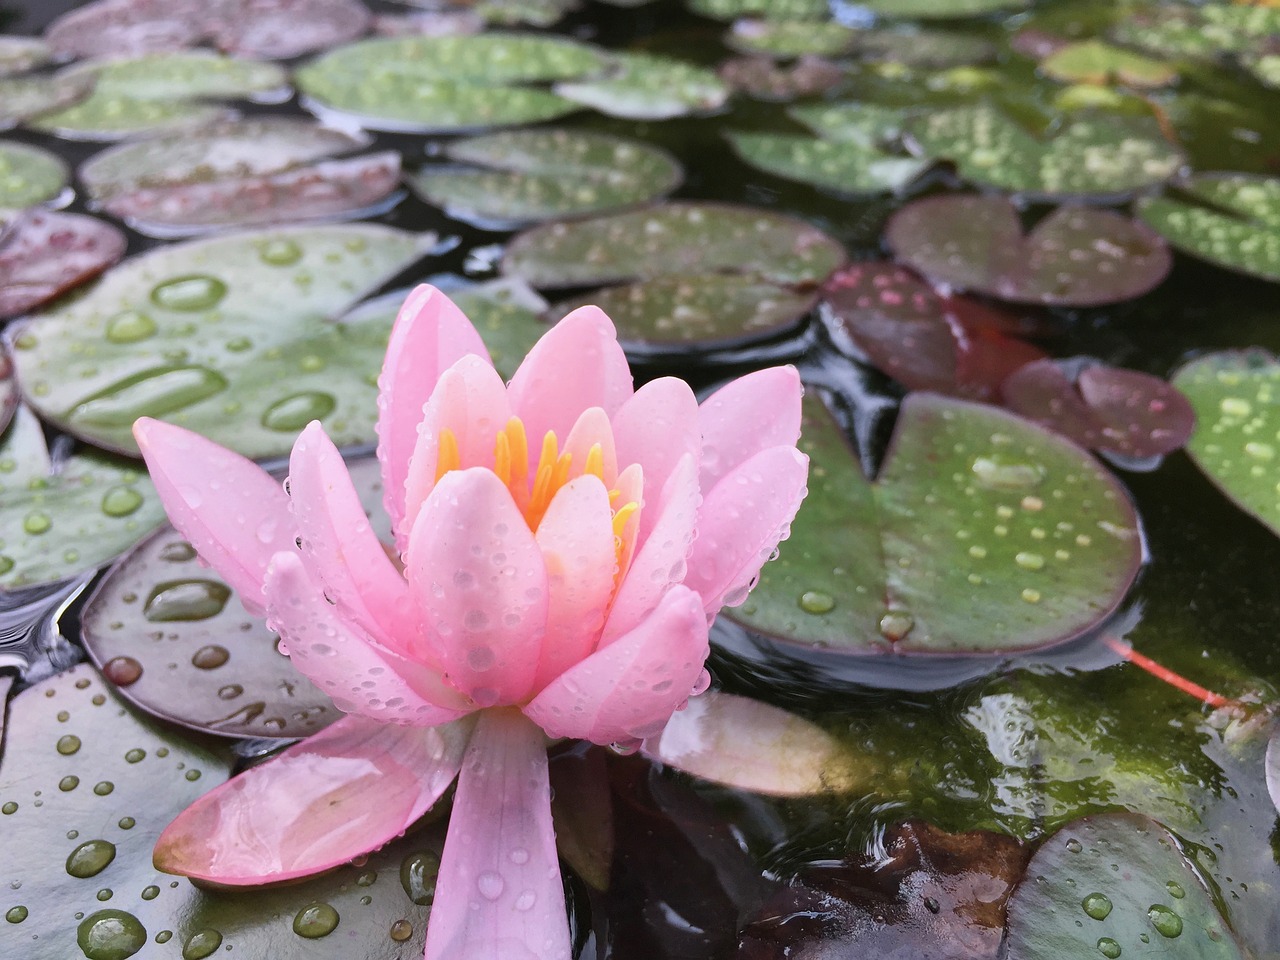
(1168, 676)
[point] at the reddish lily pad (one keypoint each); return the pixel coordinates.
(982, 533)
(8, 390)
(1104, 408)
(1076, 256)
(1115, 885)
(923, 340)
(125, 28)
(442, 24)
(43, 254)
(29, 175)
(764, 79)
(642, 86)
(283, 29)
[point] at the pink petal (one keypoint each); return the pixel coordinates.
(575, 366)
(747, 415)
(655, 428)
(340, 546)
(470, 401)
(481, 586)
(498, 893)
(629, 689)
(341, 793)
(233, 512)
(741, 520)
(357, 676)
(660, 560)
(576, 539)
(429, 335)
(592, 427)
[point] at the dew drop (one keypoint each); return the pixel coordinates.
(294, 412)
(896, 624)
(110, 935)
(1097, 906)
(68, 744)
(1029, 561)
(418, 876)
(186, 600)
(401, 931)
(122, 671)
(90, 858)
(67, 784)
(315, 920)
(999, 471)
(1109, 948)
(490, 885)
(130, 326)
(280, 253)
(36, 522)
(9, 808)
(103, 788)
(150, 893)
(210, 657)
(120, 501)
(817, 602)
(178, 552)
(16, 914)
(1175, 890)
(1167, 923)
(201, 944)
(193, 292)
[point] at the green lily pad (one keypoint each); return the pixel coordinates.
(982, 533)
(1092, 61)
(1107, 156)
(773, 9)
(29, 175)
(505, 312)
(940, 9)
(64, 520)
(20, 54)
(111, 117)
(522, 176)
(935, 49)
(1237, 436)
(1201, 31)
(533, 13)
(1239, 229)
(233, 337)
(24, 97)
(1114, 885)
(446, 83)
(641, 86)
(8, 390)
(788, 39)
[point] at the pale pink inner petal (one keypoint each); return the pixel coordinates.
(233, 512)
(627, 690)
(750, 414)
(590, 429)
(480, 586)
(498, 893)
(630, 488)
(340, 793)
(655, 428)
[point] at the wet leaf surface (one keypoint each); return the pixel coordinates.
(43, 254)
(29, 175)
(916, 47)
(20, 54)
(941, 9)
(1075, 256)
(982, 533)
(773, 9)
(788, 39)
(641, 86)
(1092, 61)
(125, 28)
(283, 29)
(506, 313)
(1273, 769)
(22, 98)
(764, 79)
(8, 390)
(236, 337)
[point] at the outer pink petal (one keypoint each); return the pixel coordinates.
(341, 793)
(429, 335)
(470, 401)
(498, 893)
(655, 428)
(747, 415)
(741, 520)
(576, 538)
(340, 546)
(576, 365)
(357, 676)
(480, 585)
(233, 512)
(629, 689)
(660, 560)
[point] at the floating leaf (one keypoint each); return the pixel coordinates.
(1092, 61)
(940, 9)
(43, 254)
(1242, 233)
(233, 337)
(446, 83)
(764, 79)
(1076, 256)
(8, 390)
(1104, 408)
(982, 533)
(283, 29)
(505, 312)
(1273, 769)
(535, 13)
(111, 117)
(1208, 31)
(24, 97)
(29, 175)
(1107, 156)
(543, 174)
(1114, 885)
(936, 49)
(773, 9)
(1237, 435)
(641, 86)
(59, 522)
(442, 24)
(787, 39)
(125, 28)
(20, 54)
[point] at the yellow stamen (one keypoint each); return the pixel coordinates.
(519, 454)
(550, 476)
(595, 462)
(447, 455)
(620, 519)
(502, 458)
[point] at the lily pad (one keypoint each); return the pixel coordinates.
(1201, 31)
(446, 83)
(43, 254)
(445, 23)
(1237, 435)
(764, 79)
(61, 519)
(8, 390)
(534, 13)
(505, 312)
(788, 39)
(521, 176)
(773, 9)
(1114, 885)
(106, 117)
(29, 175)
(1106, 157)
(642, 86)
(283, 29)
(24, 97)
(20, 54)
(1092, 61)
(233, 337)
(1238, 228)
(1076, 256)
(936, 49)
(1273, 770)
(125, 28)
(982, 533)
(940, 9)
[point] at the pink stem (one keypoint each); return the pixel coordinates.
(1168, 676)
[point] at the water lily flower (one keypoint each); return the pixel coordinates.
(562, 543)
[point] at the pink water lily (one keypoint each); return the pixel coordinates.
(562, 543)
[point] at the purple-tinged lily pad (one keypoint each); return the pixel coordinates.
(642, 86)
(1237, 438)
(8, 389)
(446, 23)
(115, 28)
(762, 78)
(29, 175)
(1125, 412)
(1076, 256)
(43, 254)
(982, 533)
(283, 29)
(788, 39)
(1115, 885)
(1272, 767)
(20, 54)
(1096, 62)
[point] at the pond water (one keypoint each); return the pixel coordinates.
(979, 734)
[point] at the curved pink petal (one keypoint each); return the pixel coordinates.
(233, 512)
(429, 336)
(358, 677)
(660, 560)
(480, 585)
(655, 428)
(576, 539)
(340, 546)
(498, 893)
(592, 427)
(741, 520)
(338, 794)
(575, 366)
(747, 415)
(629, 689)
(470, 401)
